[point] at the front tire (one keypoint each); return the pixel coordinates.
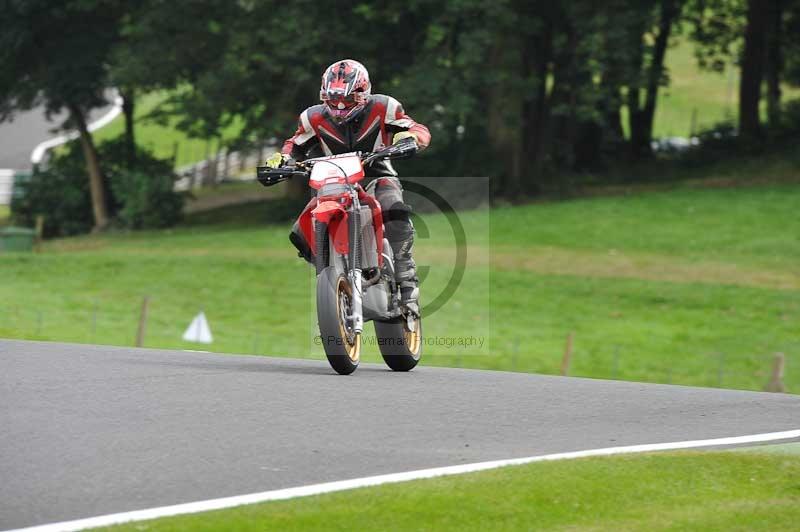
(342, 345)
(401, 348)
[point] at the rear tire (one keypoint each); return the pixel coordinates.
(400, 348)
(342, 346)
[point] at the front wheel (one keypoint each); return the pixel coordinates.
(400, 344)
(334, 303)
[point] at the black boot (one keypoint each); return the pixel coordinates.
(405, 273)
(399, 232)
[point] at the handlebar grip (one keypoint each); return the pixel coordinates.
(269, 176)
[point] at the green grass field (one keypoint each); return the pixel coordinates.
(689, 285)
(672, 491)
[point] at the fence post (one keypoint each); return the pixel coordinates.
(94, 321)
(207, 168)
(775, 383)
(226, 164)
(515, 354)
(565, 362)
(39, 232)
(214, 162)
(142, 322)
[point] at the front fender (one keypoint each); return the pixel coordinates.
(325, 211)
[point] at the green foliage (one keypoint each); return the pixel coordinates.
(717, 28)
(521, 90)
(148, 200)
(145, 191)
(141, 196)
(791, 53)
(60, 194)
(55, 55)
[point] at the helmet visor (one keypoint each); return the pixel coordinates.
(339, 104)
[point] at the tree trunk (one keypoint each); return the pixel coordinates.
(128, 104)
(610, 109)
(537, 56)
(642, 117)
(633, 97)
(611, 79)
(564, 99)
(670, 9)
(96, 184)
(752, 70)
(504, 111)
(774, 63)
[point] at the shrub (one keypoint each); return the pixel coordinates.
(148, 199)
(60, 193)
(139, 197)
(145, 192)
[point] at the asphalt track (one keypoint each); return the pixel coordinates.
(90, 430)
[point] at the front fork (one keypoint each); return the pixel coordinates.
(355, 261)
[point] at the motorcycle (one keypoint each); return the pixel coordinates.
(343, 227)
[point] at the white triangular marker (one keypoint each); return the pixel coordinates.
(198, 330)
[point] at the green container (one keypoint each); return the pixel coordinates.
(16, 239)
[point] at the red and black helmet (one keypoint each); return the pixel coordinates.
(345, 88)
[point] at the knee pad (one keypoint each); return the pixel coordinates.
(397, 223)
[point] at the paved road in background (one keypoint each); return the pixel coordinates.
(20, 137)
(90, 430)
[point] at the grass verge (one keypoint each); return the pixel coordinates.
(672, 491)
(686, 286)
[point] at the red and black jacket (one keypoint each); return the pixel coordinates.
(373, 128)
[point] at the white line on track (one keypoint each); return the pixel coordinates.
(329, 487)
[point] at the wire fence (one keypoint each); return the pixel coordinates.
(125, 324)
(222, 165)
(777, 371)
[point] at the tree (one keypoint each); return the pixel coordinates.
(55, 55)
(650, 76)
(752, 69)
(773, 65)
(511, 88)
(791, 42)
(762, 37)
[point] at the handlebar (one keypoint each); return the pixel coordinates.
(268, 176)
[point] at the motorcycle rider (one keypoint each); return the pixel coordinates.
(351, 118)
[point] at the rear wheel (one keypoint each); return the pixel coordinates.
(400, 343)
(334, 301)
